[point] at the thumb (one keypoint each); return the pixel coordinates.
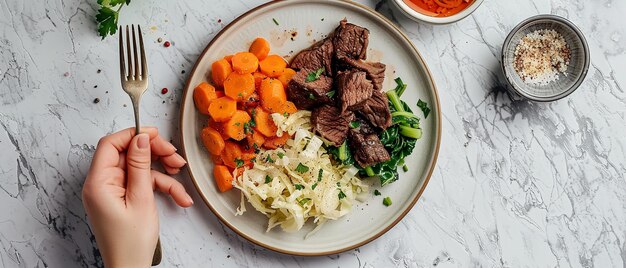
(138, 160)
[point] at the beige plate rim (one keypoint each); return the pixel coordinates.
(433, 159)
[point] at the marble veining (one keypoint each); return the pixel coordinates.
(518, 183)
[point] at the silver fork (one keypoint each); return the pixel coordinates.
(135, 83)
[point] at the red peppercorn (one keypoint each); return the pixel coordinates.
(167, 44)
(164, 90)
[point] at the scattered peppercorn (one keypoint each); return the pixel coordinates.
(160, 40)
(96, 86)
(96, 100)
(182, 72)
(219, 21)
(167, 44)
(66, 74)
(99, 71)
(164, 91)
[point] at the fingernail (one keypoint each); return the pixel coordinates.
(143, 141)
(190, 199)
(180, 157)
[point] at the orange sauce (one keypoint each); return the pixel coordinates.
(438, 8)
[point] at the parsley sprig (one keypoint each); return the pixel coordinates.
(312, 76)
(108, 16)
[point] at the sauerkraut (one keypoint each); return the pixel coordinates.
(293, 184)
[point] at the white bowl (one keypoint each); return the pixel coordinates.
(417, 16)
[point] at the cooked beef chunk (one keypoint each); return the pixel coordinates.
(367, 148)
(350, 41)
(375, 70)
(353, 89)
(331, 124)
(364, 125)
(317, 56)
(376, 110)
(306, 95)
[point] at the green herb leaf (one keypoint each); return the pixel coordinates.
(280, 155)
(338, 184)
(304, 201)
(298, 186)
(341, 195)
(247, 127)
(275, 21)
(238, 162)
(387, 201)
(107, 21)
(331, 93)
(256, 148)
(319, 175)
(313, 186)
(302, 168)
(377, 193)
(268, 179)
(424, 107)
(311, 96)
(355, 124)
(312, 76)
(269, 159)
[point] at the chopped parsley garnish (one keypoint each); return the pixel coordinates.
(247, 127)
(341, 195)
(387, 201)
(280, 155)
(338, 184)
(238, 162)
(319, 175)
(237, 124)
(304, 201)
(355, 124)
(424, 107)
(268, 179)
(269, 159)
(302, 168)
(253, 160)
(256, 148)
(275, 21)
(377, 193)
(298, 186)
(285, 114)
(313, 186)
(331, 93)
(312, 76)
(311, 96)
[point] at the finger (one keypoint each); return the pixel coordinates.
(171, 186)
(122, 161)
(161, 147)
(109, 147)
(175, 161)
(171, 170)
(138, 160)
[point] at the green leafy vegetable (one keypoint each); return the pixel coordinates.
(401, 86)
(268, 179)
(331, 93)
(269, 159)
(302, 168)
(312, 76)
(311, 96)
(108, 17)
(280, 155)
(387, 201)
(298, 186)
(341, 195)
(238, 162)
(377, 193)
(424, 107)
(355, 124)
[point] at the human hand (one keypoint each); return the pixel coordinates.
(118, 194)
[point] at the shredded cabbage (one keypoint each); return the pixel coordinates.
(293, 184)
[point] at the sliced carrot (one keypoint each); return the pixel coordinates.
(234, 128)
(247, 154)
(229, 58)
(285, 77)
(252, 101)
(287, 108)
(255, 139)
(231, 154)
(212, 140)
(219, 127)
(220, 71)
(217, 159)
(260, 48)
(223, 178)
(220, 93)
(273, 65)
(239, 86)
(272, 95)
(264, 123)
(203, 94)
(275, 142)
(221, 109)
(258, 77)
(245, 63)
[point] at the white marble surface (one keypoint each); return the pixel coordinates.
(518, 184)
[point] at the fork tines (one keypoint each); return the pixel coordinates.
(133, 66)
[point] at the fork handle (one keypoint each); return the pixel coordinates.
(135, 100)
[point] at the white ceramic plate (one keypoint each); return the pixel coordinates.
(312, 20)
